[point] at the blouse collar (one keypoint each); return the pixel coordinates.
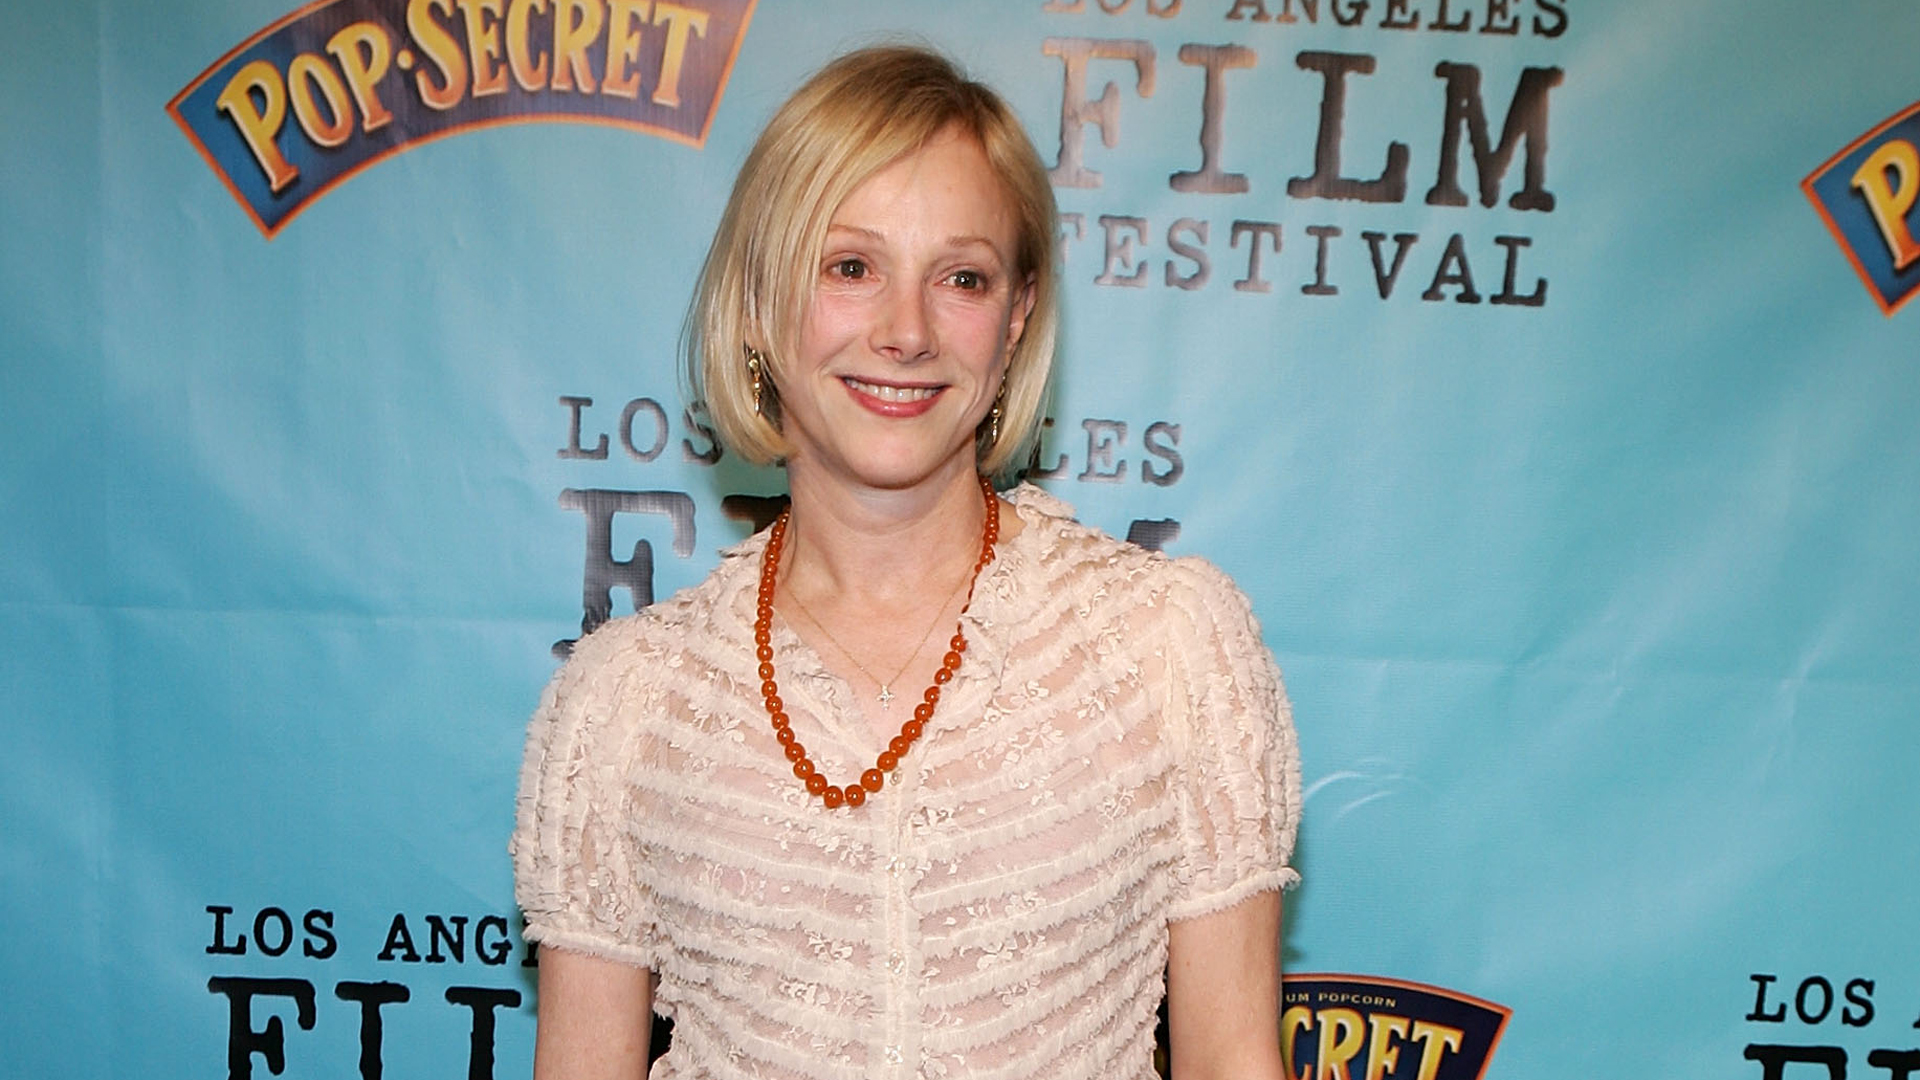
(1006, 594)
(1003, 598)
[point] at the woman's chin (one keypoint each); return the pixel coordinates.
(896, 469)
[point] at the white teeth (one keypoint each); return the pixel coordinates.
(893, 393)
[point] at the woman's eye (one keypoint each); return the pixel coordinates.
(852, 269)
(969, 279)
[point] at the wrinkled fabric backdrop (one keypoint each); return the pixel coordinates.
(1536, 366)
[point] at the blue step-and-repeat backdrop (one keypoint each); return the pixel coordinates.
(1538, 366)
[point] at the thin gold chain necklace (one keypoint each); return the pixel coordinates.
(886, 695)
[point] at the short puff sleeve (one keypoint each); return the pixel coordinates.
(576, 873)
(1237, 777)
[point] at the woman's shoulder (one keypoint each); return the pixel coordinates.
(1059, 545)
(1070, 556)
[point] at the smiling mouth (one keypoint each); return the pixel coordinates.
(892, 393)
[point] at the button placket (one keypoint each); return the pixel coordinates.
(902, 1039)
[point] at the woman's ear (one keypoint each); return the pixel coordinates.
(1022, 310)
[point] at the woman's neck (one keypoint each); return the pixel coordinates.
(881, 548)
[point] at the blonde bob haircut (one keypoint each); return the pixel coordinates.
(856, 116)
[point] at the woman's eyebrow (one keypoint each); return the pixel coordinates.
(970, 240)
(956, 240)
(861, 230)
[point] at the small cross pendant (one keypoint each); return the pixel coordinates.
(885, 697)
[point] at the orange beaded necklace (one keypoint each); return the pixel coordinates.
(872, 779)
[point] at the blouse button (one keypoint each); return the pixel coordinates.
(896, 963)
(893, 1055)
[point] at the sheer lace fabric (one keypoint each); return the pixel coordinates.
(1115, 753)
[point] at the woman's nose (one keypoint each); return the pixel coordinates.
(905, 327)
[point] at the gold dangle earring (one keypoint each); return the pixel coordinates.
(993, 418)
(755, 370)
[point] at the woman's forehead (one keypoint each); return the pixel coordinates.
(944, 192)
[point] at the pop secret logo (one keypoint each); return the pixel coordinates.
(1867, 193)
(338, 85)
(1363, 1027)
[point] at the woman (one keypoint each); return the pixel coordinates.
(920, 781)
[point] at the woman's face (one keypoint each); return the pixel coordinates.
(915, 309)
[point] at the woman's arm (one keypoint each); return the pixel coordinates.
(594, 1020)
(1223, 993)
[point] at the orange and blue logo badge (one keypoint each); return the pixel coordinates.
(1334, 1027)
(1867, 194)
(338, 85)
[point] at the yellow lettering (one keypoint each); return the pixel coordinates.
(1382, 1055)
(529, 72)
(623, 47)
(483, 46)
(1435, 1040)
(259, 121)
(307, 71)
(576, 23)
(1296, 1019)
(680, 21)
(439, 47)
(1890, 199)
(364, 52)
(1341, 1035)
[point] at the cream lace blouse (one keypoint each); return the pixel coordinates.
(1114, 753)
